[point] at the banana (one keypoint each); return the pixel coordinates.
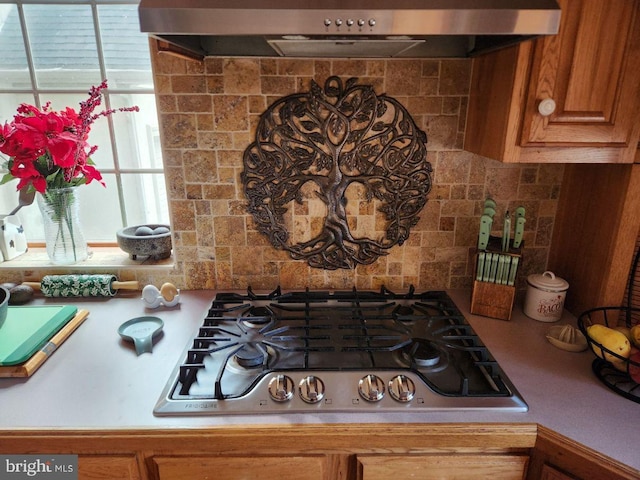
(612, 340)
(625, 330)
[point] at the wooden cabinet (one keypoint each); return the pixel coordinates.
(241, 468)
(595, 233)
(443, 467)
(108, 467)
(323, 452)
(306, 452)
(590, 71)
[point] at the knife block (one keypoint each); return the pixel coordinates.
(491, 298)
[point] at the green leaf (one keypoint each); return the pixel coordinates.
(6, 178)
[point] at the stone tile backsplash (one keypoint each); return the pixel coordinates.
(208, 114)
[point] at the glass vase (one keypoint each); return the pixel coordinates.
(63, 235)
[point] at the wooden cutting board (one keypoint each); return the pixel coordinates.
(28, 328)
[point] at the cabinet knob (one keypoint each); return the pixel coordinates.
(546, 107)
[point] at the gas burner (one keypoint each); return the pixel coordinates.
(403, 313)
(251, 355)
(251, 358)
(424, 355)
(258, 316)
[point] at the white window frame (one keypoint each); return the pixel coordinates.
(156, 205)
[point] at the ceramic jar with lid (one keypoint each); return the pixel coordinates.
(545, 297)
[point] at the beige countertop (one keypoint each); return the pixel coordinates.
(96, 381)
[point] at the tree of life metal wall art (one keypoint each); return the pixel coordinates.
(331, 150)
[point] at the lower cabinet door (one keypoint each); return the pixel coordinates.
(550, 473)
(443, 467)
(108, 467)
(240, 468)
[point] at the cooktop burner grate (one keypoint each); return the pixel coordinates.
(247, 339)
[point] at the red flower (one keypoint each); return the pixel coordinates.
(49, 149)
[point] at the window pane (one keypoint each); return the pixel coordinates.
(98, 223)
(9, 103)
(137, 137)
(125, 48)
(14, 71)
(99, 210)
(146, 198)
(63, 45)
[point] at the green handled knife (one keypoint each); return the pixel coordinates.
(480, 267)
(485, 230)
(489, 202)
(489, 211)
(487, 266)
(520, 221)
(506, 231)
(495, 259)
(513, 271)
(501, 267)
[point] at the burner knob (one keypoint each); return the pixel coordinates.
(402, 388)
(371, 388)
(281, 388)
(311, 389)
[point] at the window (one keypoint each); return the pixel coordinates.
(55, 51)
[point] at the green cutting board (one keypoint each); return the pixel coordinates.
(27, 329)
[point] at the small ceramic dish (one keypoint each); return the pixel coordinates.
(141, 331)
(567, 338)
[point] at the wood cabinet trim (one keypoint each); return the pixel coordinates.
(571, 457)
(307, 439)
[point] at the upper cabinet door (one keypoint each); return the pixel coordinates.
(573, 97)
(588, 72)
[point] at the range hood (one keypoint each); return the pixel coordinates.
(346, 28)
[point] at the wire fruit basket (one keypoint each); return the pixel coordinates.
(611, 368)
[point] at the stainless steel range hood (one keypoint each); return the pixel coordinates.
(346, 28)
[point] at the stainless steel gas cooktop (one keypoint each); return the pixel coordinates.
(332, 351)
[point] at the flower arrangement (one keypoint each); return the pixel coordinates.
(49, 149)
(49, 152)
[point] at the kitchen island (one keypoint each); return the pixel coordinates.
(95, 390)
